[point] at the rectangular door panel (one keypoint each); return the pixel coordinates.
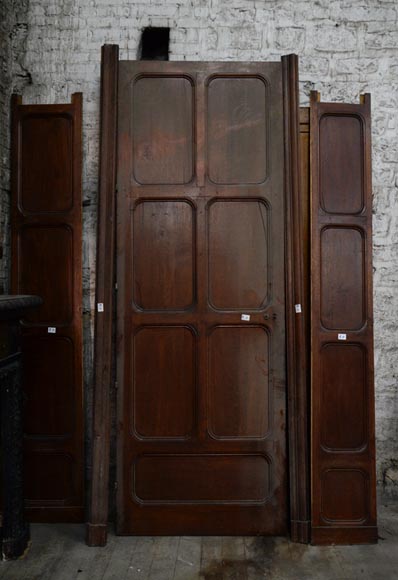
(343, 439)
(164, 397)
(239, 403)
(201, 299)
(238, 257)
(47, 261)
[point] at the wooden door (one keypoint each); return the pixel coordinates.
(201, 299)
(46, 223)
(343, 429)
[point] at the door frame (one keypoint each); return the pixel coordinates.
(298, 442)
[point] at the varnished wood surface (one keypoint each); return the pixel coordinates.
(46, 224)
(105, 288)
(296, 311)
(200, 241)
(58, 553)
(343, 440)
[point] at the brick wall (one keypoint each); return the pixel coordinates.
(345, 46)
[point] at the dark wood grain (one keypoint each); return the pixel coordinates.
(96, 531)
(47, 260)
(343, 443)
(295, 321)
(201, 241)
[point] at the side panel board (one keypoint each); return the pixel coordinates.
(47, 261)
(343, 444)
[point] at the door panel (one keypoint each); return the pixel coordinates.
(201, 299)
(47, 261)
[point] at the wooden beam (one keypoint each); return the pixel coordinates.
(96, 532)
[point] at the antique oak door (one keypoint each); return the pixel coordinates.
(201, 299)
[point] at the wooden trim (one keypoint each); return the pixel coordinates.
(96, 532)
(68, 218)
(298, 440)
(348, 515)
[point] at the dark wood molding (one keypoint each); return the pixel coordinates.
(342, 420)
(96, 532)
(298, 433)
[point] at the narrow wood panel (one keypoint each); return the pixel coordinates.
(238, 280)
(45, 268)
(163, 129)
(46, 176)
(164, 383)
(239, 403)
(344, 398)
(343, 444)
(43, 357)
(341, 181)
(342, 278)
(47, 260)
(164, 250)
(237, 126)
(351, 504)
(58, 485)
(202, 478)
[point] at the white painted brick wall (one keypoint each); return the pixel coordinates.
(346, 47)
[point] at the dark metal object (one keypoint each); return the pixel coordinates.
(14, 529)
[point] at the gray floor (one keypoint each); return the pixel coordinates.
(58, 552)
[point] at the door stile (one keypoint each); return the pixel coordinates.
(96, 529)
(298, 433)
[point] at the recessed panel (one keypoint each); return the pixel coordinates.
(50, 477)
(343, 397)
(46, 173)
(342, 279)
(341, 163)
(238, 389)
(48, 364)
(163, 130)
(164, 261)
(344, 496)
(164, 382)
(46, 269)
(237, 130)
(201, 479)
(238, 241)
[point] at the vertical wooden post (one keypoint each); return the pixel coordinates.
(105, 286)
(298, 438)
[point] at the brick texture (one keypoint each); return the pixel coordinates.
(51, 48)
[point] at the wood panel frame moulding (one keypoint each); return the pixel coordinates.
(46, 228)
(296, 338)
(98, 510)
(343, 423)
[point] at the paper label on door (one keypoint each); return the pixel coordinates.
(342, 336)
(51, 330)
(245, 317)
(297, 308)
(100, 307)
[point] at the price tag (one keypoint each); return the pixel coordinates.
(297, 308)
(100, 307)
(245, 317)
(342, 336)
(51, 330)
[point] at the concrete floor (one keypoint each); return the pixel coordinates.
(58, 552)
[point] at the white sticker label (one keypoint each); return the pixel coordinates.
(342, 336)
(297, 308)
(245, 317)
(51, 330)
(100, 307)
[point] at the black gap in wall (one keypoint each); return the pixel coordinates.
(154, 44)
